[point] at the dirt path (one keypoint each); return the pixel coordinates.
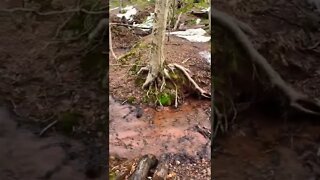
(273, 147)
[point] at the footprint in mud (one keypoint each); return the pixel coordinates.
(158, 132)
(24, 155)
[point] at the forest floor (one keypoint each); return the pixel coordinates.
(44, 81)
(169, 133)
(265, 146)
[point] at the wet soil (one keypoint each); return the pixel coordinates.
(170, 134)
(25, 155)
(261, 146)
(157, 132)
(267, 147)
(42, 81)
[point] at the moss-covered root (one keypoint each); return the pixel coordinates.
(164, 76)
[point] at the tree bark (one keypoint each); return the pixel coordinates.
(158, 33)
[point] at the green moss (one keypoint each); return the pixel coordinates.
(131, 100)
(130, 54)
(166, 99)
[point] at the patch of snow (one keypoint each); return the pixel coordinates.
(130, 11)
(147, 24)
(198, 21)
(193, 35)
(206, 55)
(206, 10)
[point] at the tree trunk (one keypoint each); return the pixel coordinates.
(120, 6)
(209, 16)
(158, 39)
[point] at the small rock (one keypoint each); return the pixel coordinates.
(177, 162)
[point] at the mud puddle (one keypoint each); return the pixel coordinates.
(167, 131)
(24, 155)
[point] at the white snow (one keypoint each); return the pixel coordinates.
(198, 21)
(193, 35)
(130, 11)
(206, 10)
(206, 55)
(148, 23)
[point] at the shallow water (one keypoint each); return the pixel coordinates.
(158, 132)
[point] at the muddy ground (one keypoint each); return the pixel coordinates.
(265, 145)
(46, 79)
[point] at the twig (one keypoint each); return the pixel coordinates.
(110, 45)
(126, 65)
(186, 60)
(48, 127)
(177, 22)
(205, 132)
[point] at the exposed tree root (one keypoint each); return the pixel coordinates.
(297, 100)
(110, 44)
(196, 86)
(102, 25)
(165, 75)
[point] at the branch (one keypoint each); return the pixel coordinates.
(128, 25)
(177, 22)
